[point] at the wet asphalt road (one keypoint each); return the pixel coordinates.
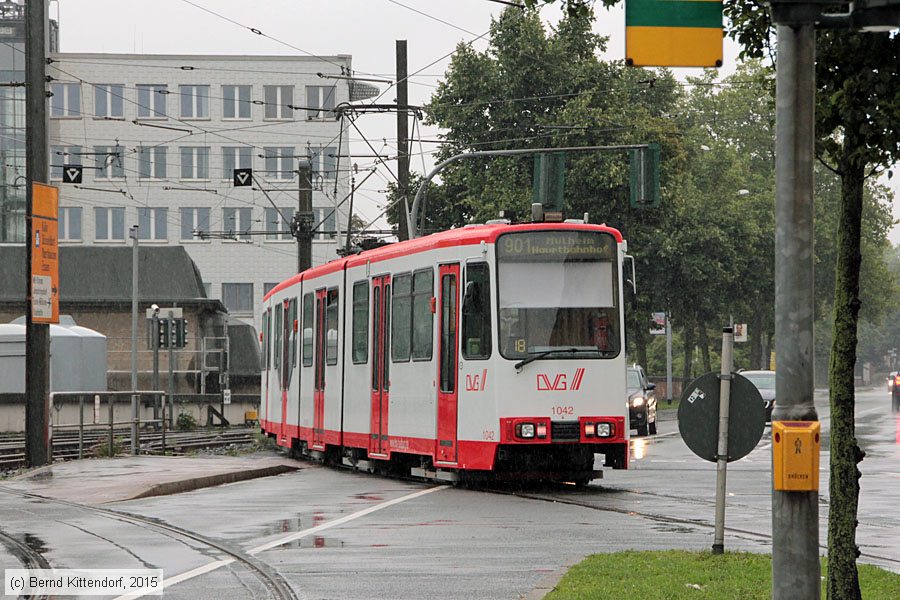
(451, 543)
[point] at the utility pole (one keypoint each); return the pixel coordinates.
(402, 140)
(795, 514)
(133, 234)
(302, 226)
(37, 335)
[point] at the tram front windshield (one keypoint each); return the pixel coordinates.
(558, 294)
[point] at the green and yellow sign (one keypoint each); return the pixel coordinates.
(673, 33)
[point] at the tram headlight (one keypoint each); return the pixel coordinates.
(525, 430)
(604, 430)
(590, 430)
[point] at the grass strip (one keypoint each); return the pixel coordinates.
(679, 574)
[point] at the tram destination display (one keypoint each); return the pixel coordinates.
(556, 246)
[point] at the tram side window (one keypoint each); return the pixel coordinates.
(279, 333)
(477, 312)
(295, 332)
(360, 322)
(331, 327)
(402, 315)
(307, 330)
(422, 337)
(265, 340)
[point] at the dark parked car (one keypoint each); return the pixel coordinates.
(641, 401)
(765, 383)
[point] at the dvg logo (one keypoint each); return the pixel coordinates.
(561, 382)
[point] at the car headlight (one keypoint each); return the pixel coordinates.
(639, 401)
(525, 430)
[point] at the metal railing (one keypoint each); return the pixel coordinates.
(135, 423)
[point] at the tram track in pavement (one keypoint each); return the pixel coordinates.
(276, 586)
(29, 557)
(552, 496)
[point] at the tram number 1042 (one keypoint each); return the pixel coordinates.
(563, 410)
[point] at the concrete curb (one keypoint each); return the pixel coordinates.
(548, 583)
(195, 483)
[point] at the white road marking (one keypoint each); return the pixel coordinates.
(286, 540)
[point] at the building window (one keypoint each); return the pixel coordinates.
(277, 228)
(152, 223)
(324, 162)
(238, 222)
(476, 312)
(279, 99)
(235, 101)
(109, 100)
(268, 287)
(236, 157)
(238, 297)
(70, 224)
(109, 162)
(194, 223)
(109, 223)
(151, 100)
(66, 100)
(63, 155)
(194, 162)
(279, 162)
(319, 97)
(194, 101)
(152, 162)
(324, 223)
(360, 322)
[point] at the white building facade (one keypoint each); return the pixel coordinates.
(159, 137)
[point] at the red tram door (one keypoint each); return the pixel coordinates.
(448, 363)
(381, 325)
(318, 437)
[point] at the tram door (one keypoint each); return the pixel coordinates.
(448, 361)
(319, 369)
(381, 326)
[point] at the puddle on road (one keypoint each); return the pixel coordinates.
(673, 528)
(372, 497)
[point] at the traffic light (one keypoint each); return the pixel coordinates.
(180, 333)
(162, 333)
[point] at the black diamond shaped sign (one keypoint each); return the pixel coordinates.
(243, 177)
(73, 173)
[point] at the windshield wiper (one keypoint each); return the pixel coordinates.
(533, 357)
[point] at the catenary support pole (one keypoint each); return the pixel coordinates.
(133, 234)
(722, 447)
(37, 335)
(403, 232)
(795, 515)
(305, 216)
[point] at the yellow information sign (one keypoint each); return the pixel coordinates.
(45, 254)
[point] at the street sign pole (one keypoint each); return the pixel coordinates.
(722, 450)
(668, 359)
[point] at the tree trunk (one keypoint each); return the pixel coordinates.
(688, 352)
(757, 340)
(843, 580)
(704, 345)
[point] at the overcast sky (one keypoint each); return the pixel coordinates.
(364, 29)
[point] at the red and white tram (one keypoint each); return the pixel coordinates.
(486, 350)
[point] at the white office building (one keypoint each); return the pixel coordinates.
(159, 137)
